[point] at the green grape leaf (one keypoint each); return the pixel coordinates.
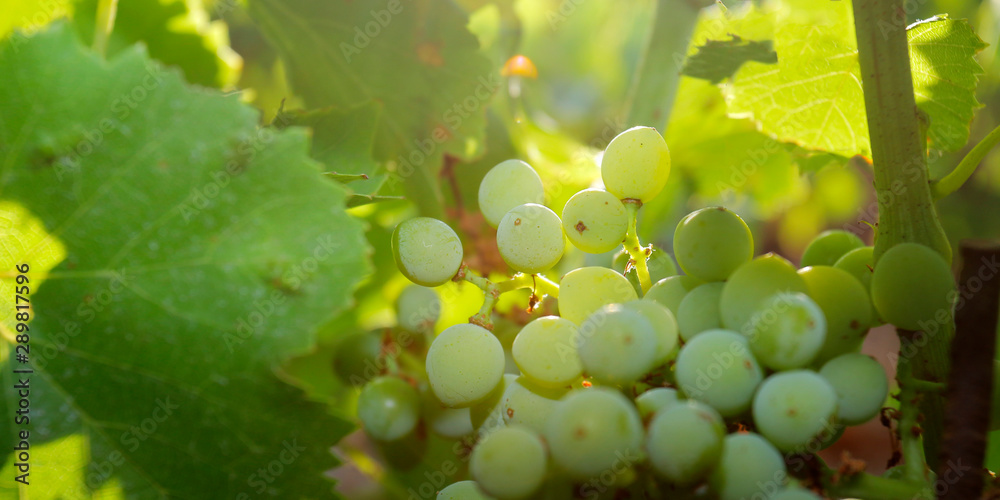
(433, 99)
(717, 60)
(342, 140)
(813, 96)
(200, 252)
(945, 74)
(176, 32)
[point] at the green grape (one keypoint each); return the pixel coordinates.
(717, 368)
(861, 386)
(509, 184)
(427, 251)
(659, 264)
(358, 358)
(664, 325)
(860, 262)
(913, 288)
(793, 409)
(617, 345)
(699, 310)
(636, 164)
(656, 399)
(388, 408)
(464, 364)
(592, 430)
(753, 283)
(670, 291)
(749, 468)
(685, 441)
(417, 308)
(530, 238)
(527, 404)
(587, 289)
(845, 304)
(463, 490)
(488, 413)
(795, 494)
(448, 422)
(545, 351)
(595, 221)
(711, 243)
(509, 463)
(827, 248)
(788, 331)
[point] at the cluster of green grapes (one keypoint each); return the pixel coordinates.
(704, 382)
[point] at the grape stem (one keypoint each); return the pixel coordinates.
(870, 487)
(106, 11)
(914, 464)
(492, 291)
(956, 178)
(636, 251)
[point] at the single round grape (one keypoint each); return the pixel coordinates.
(860, 262)
(685, 441)
(448, 422)
(527, 404)
(545, 351)
(636, 164)
(509, 184)
(795, 494)
(912, 287)
(664, 325)
(587, 289)
(530, 238)
(828, 247)
(595, 221)
(617, 345)
(427, 251)
(861, 386)
(510, 463)
(417, 308)
(792, 409)
(671, 291)
(656, 399)
(717, 368)
(845, 304)
(749, 466)
(358, 358)
(464, 364)
(463, 490)
(388, 408)
(788, 331)
(590, 429)
(753, 283)
(659, 264)
(711, 243)
(699, 311)
(487, 414)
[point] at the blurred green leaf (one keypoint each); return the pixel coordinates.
(201, 252)
(720, 59)
(945, 74)
(416, 58)
(176, 32)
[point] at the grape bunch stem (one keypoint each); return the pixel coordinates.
(636, 251)
(492, 291)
